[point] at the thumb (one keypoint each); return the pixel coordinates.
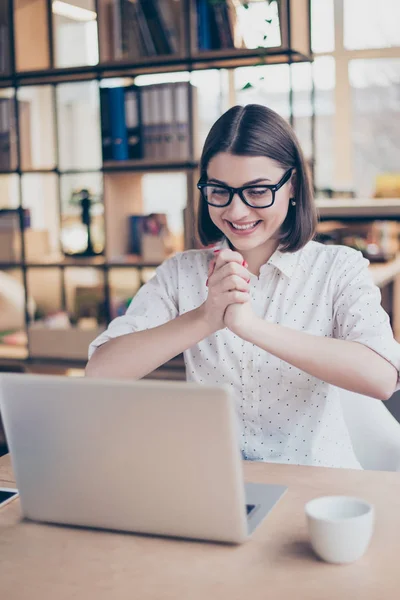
(211, 267)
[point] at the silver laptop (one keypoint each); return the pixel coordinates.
(148, 457)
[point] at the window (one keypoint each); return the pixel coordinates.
(371, 24)
(375, 99)
(357, 92)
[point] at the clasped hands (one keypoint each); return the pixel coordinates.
(228, 303)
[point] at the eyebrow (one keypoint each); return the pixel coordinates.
(259, 180)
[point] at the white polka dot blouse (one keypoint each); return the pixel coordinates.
(284, 414)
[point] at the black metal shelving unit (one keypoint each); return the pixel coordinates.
(189, 60)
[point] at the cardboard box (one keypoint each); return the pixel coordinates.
(67, 344)
(36, 245)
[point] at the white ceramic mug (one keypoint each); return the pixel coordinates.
(340, 527)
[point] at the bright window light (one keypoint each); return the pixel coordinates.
(73, 12)
(162, 78)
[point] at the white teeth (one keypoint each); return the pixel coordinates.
(248, 226)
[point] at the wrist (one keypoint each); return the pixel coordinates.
(205, 324)
(249, 329)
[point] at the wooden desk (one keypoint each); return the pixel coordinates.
(61, 563)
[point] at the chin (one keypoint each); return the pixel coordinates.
(247, 245)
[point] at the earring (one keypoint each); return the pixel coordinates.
(293, 201)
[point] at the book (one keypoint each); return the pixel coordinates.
(156, 26)
(133, 44)
(169, 137)
(149, 122)
(149, 236)
(155, 244)
(10, 219)
(133, 120)
(24, 114)
(89, 303)
(135, 234)
(203, 30)
(5, 25)
(222, 24)
(231, 7)
(169, 15)
(105, 122)
(119, 137)
(8, 146)
(147, 42)
(181, 119)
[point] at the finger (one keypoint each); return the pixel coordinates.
(229, 269)
(234, 282)
(227, 255)
(236, 297)
(211, 268)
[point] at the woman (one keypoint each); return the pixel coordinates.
(283, 320)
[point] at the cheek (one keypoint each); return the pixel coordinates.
(215, 216)
(275, 215)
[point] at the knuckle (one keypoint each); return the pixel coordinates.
(224, 254)
(239, 281)
(232, 268)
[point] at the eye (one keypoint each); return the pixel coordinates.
(256, 192)
(219, 191)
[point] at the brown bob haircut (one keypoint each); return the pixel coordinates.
(255, 130)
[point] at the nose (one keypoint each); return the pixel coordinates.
(237, 210)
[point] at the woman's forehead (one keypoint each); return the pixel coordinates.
(236, 169)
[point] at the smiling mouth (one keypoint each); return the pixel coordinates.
(244, 227)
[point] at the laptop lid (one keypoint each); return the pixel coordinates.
(143, 456)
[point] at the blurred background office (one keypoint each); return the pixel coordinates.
(104, 106)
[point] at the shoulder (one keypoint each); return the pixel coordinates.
(193, 259)
(331, 257)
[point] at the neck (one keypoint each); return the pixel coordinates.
(257, 257)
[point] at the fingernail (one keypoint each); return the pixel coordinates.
(207, 282)
(244, 264)
(216, 251)
(248, 281)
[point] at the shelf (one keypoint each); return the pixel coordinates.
(36, 171)
(95, 261)
(6, 266)
(150, 65)
(172, 370)
(65, 127)
(114, 167)
(211, 59)
(13, 352)
(358, 208)
(147, 165)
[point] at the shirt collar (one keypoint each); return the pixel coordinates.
(285, 262)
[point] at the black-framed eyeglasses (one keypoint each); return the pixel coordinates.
(255, 196)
